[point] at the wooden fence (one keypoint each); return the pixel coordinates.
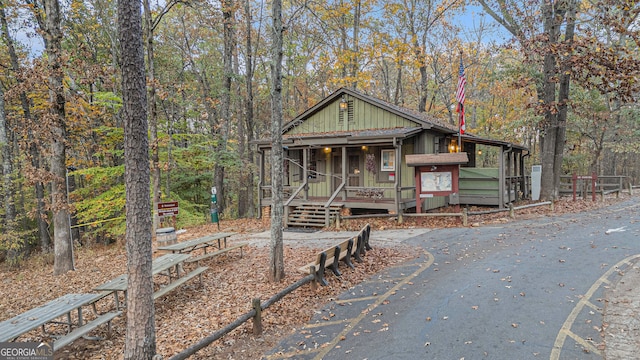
(604, 185)
(255, 314)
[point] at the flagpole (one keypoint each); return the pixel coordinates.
(461, 112)
(459, 138)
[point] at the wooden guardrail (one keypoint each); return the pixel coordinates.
(255, 313)
(584, 186)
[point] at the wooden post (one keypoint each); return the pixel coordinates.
(574, 180)
(314, 283)
(464, 217)
(257, 319)
(512, 213)
(594, 177)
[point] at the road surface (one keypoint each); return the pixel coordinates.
(531, 289)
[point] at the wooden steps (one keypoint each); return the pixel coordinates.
(312, 215)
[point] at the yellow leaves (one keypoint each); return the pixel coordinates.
(393, 8)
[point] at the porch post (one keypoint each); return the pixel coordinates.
(305, 174)
(512, 173)
(502, 178)
(397, 179)
(520, 178)
(344, 172)
(526, 193)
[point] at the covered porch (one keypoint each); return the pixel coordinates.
(356, 172)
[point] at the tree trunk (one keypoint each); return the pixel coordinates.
(563, 96)
(5, 144)
(550, 128)
(153, 114)
(356, 44)
(7, 170)
(140, 341)
(45, 239)
(73, 220)
(250, 209)
(63, 248)
(397, 96)
(276, 262)
(225, 103)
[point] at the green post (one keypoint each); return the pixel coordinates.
(214, 207)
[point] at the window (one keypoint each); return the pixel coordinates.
(317, 166)
(294, 165)
(388, 160)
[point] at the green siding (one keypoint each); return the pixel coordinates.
(479, 181)
(365, 116)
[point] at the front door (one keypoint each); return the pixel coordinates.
(354, 170)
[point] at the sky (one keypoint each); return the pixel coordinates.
(471, 19)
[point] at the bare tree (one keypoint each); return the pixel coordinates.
(140, 342)
(225, 100)
(63, 247)
(151, 23)
(276, 263)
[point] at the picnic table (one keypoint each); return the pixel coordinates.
(214, 240)
(165, 265)
(199, 243)
(45, 314)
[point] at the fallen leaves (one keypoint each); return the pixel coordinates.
(186, 316)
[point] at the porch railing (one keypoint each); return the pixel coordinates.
(327, 205)
(296, 192)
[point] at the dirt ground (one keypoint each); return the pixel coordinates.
(195, 311)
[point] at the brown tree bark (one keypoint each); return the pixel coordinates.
(140, 341)
(153, 112)
(225, 101)
(276, 261)
(63, 247)
(556, 69)
(246, 201)
(149, 28)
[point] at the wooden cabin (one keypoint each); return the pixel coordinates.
(348, 153)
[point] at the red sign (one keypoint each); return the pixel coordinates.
(168, 209)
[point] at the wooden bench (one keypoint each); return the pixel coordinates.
(85, 329)
(161, 266)
(331, 257)
(214, 240)
(171, 286)
(52, 312)
(215, 253)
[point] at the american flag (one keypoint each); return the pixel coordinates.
(460, 96)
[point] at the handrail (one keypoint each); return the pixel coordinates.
(295, 193)
(335, 193)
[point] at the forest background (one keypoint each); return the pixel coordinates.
(208, 82)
